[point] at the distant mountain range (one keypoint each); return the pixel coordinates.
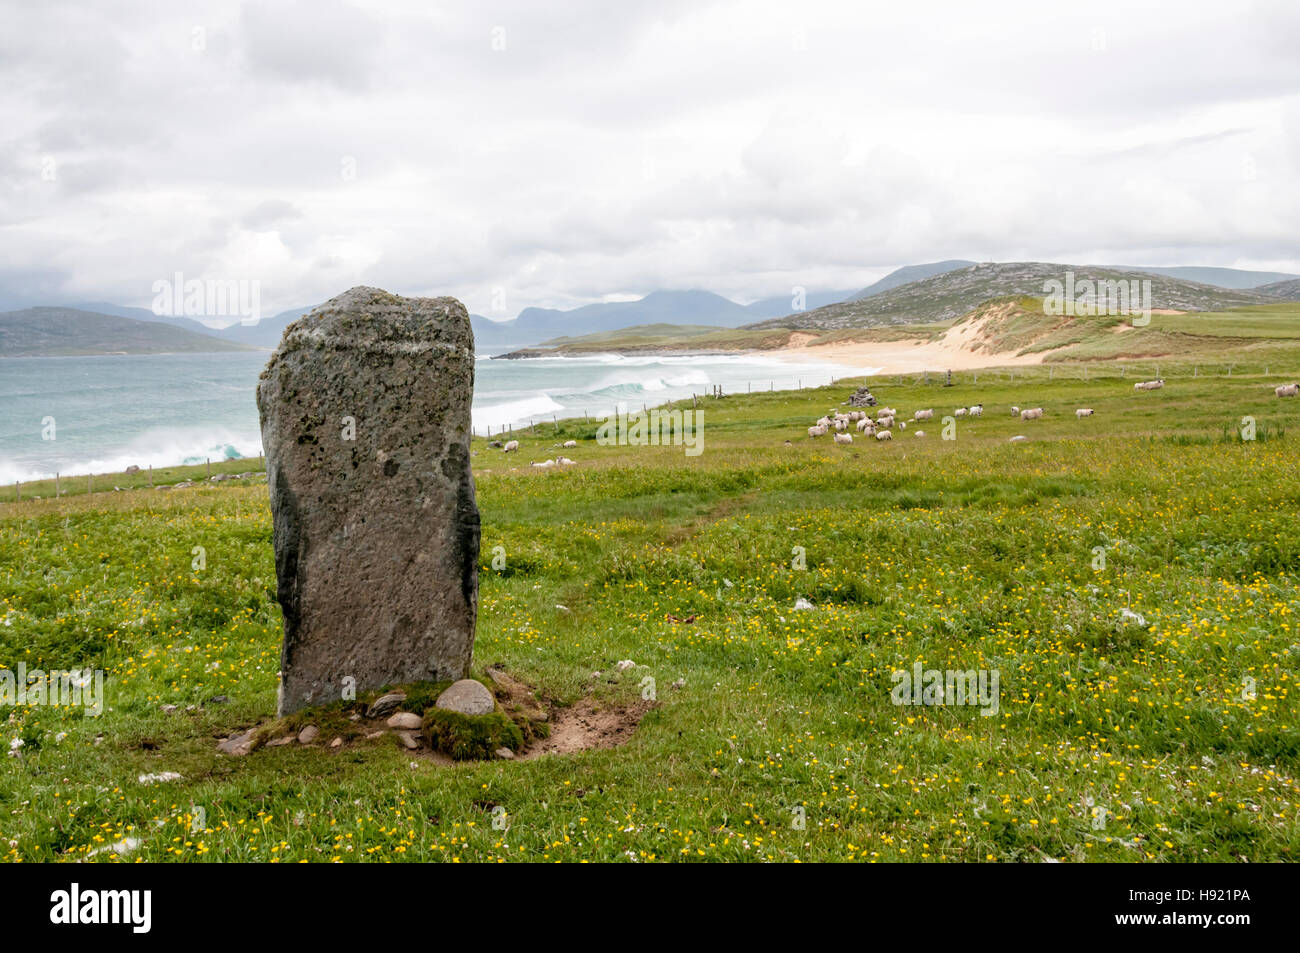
(921, 293)
(58, 332)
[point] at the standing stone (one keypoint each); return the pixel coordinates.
(365, 410)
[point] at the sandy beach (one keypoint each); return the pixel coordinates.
(951, 352)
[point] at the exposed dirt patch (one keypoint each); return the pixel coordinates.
(589, 726)
(801, 339)
(724, 508)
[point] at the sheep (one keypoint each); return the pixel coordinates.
(844, 438)
(977, 410)
(923, 414)
(1287, 390)
(1083, 412)
(959, 412)
(817, 431)
(1015, 411)
(565, 461)
(510, 445)
(569, 443)
(866, 424)
(884, 435)
(1032, 413)
(885, 421)
(841, 425)
(885, 412)
(1017, 438)
(1150, 385)
(545, 464)
(920, 433)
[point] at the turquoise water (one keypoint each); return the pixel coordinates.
(115, 411)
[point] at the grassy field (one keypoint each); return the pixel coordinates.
(1133, 578)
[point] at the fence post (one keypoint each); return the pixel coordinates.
(56, 485)
(151, 476)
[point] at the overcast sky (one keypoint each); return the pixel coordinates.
(525, 153)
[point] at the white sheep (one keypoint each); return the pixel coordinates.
(885, 421)
(1287, 390)
(885, 412)
(510, 445)
(545, 464)
(1150, 385)
(959, 412)
(884, 435)
(1018, 437)
(1083, 412)
(569, 443)
(865, 424)
(817, 431)
(920, 433)
(1032, 413)
(844, 438)
(823, 422)
(923, 414)
(977, 410)
(1015, 411)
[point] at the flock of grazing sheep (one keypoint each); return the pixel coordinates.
(886, 420)
(886, 417)
(512, 446)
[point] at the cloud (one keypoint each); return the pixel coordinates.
(571, 151)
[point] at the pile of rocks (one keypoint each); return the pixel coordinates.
(466, 697)
(861, 398)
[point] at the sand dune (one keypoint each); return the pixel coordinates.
(954, 351)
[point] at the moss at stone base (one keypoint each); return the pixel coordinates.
(470, 737)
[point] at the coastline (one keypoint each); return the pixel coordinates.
(865, 358)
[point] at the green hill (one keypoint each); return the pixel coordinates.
(949, 295)
(1287, 290)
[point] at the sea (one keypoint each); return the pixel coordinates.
(102, 414)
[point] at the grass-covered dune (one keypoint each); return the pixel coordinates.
(1133, 578)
